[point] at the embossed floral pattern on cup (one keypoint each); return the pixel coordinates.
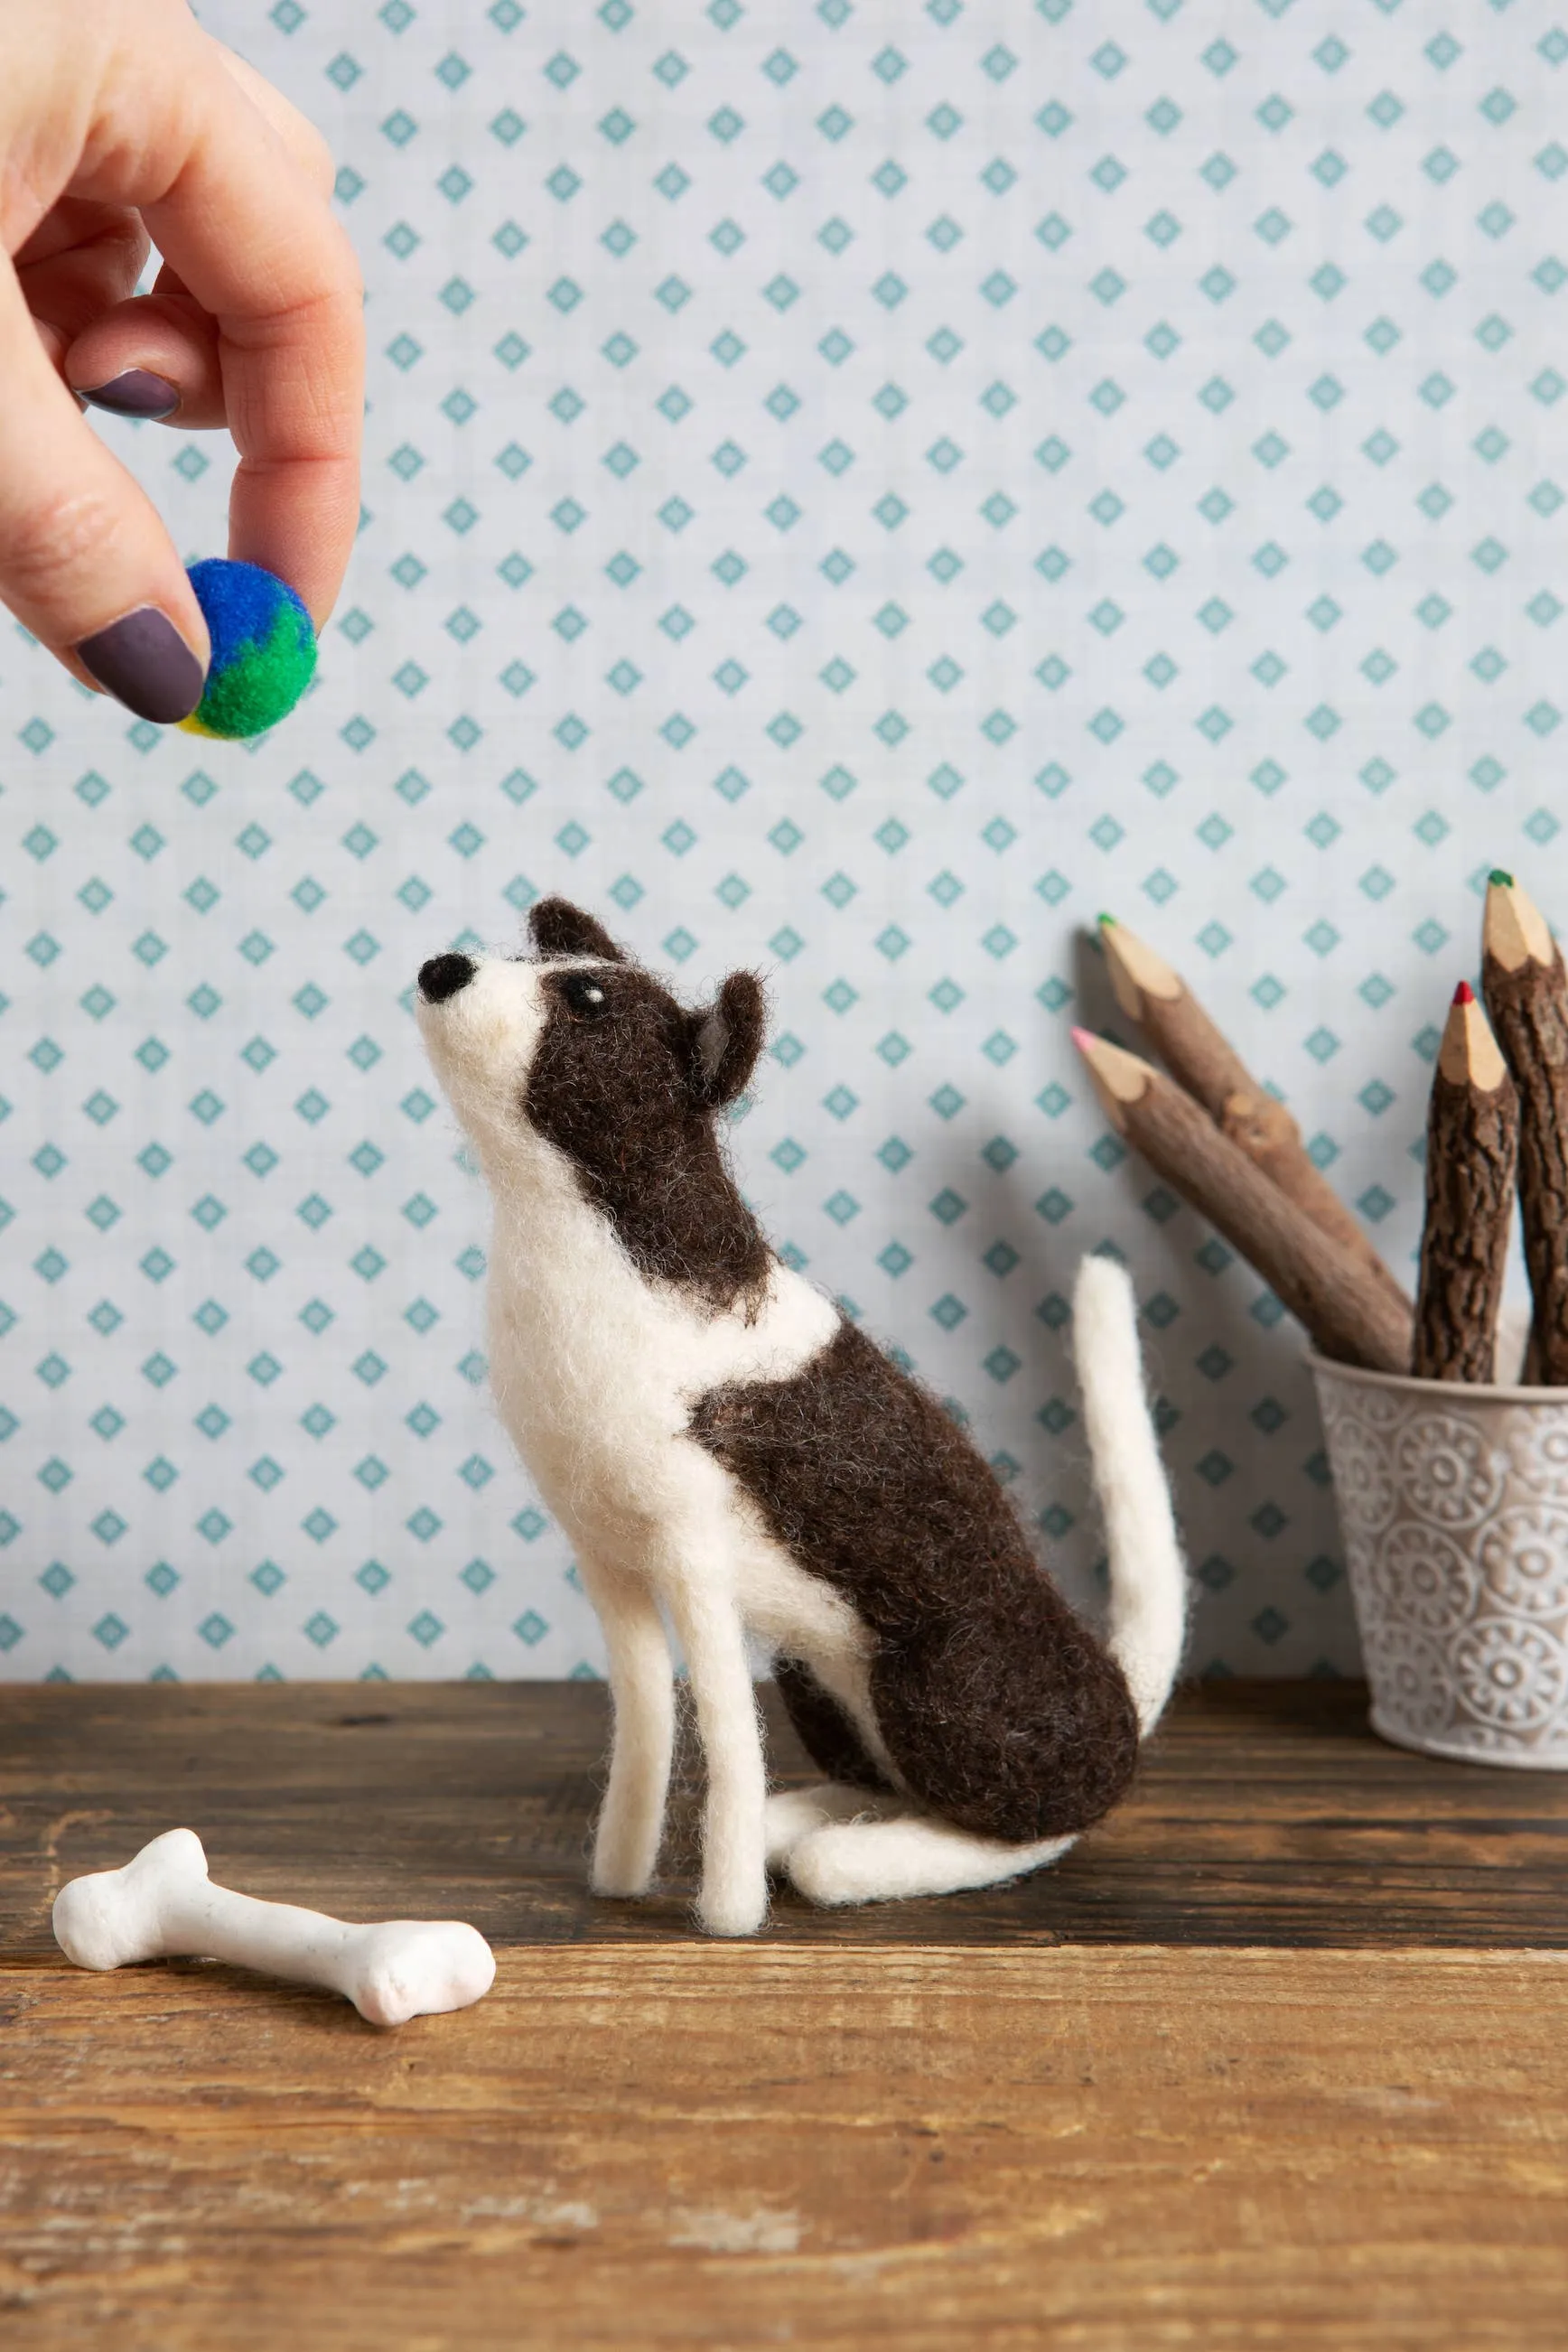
(1521, 1556)
(1446, 1471)
(1454, 1505)
(1511, 1675)
(1423, 1575)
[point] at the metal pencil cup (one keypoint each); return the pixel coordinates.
(1453, 1501)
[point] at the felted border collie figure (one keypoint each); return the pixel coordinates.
(715, 1437)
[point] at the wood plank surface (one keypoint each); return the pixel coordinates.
(1238, 2075)
(1109, 2149)
(1263, 1813)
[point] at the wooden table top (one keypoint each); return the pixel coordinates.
(1276, 2057)
(1263, 1813)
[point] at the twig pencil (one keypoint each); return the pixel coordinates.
(1472, 1140)
(1527, 996)
(1204, 1061)
(1349, 1316)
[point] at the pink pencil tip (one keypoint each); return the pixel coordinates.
(1083, 1039)
(1464, 993)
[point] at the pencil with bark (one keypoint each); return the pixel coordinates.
(1349, 1316)
(1472, 1136)
(1527, 995)
(1202, 1058)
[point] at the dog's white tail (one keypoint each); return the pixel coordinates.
(1148, 1577)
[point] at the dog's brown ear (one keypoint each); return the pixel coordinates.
(557, 928)
(726, 1040)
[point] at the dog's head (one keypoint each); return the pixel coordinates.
(576, 1050)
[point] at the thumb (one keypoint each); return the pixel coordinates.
(85, 562)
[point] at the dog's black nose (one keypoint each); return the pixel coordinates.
(444, 975)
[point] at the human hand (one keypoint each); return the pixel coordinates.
(122, 124)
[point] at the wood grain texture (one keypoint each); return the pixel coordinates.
(923, 2126)
(688, 2145)
(1263, 1813)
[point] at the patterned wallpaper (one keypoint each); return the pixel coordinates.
(852, 489)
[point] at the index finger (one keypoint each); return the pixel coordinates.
(260, 252)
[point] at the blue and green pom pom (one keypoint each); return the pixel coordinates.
(263, 649)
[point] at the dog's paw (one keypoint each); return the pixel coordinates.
(620, 1886)
(738, 1910)
(793, 1813)
(828, 1865)
(904, 1854)
(622, 1868)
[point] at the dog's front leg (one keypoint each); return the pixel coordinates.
(734, 1897)
(631, 1820)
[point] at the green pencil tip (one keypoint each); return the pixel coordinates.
(1106, 922)
(1499, 879)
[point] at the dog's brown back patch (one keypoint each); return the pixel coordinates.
(1000, 1707)
(616, 1086)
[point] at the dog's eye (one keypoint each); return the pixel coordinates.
(586, 998)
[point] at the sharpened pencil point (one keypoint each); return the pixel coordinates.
(1106, 922)
(1464, 993)
(1083, 1039)
(1514, 932)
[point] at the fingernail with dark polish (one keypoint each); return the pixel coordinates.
(137, 393)
(142, 660)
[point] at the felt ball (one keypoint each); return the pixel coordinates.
(263, 649)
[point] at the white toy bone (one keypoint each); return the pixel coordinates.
(162, 1905)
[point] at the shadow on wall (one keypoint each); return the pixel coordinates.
(1244, 1450)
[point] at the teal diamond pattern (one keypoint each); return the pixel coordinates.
(851, 490)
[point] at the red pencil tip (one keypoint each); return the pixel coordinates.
(1464, 993)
